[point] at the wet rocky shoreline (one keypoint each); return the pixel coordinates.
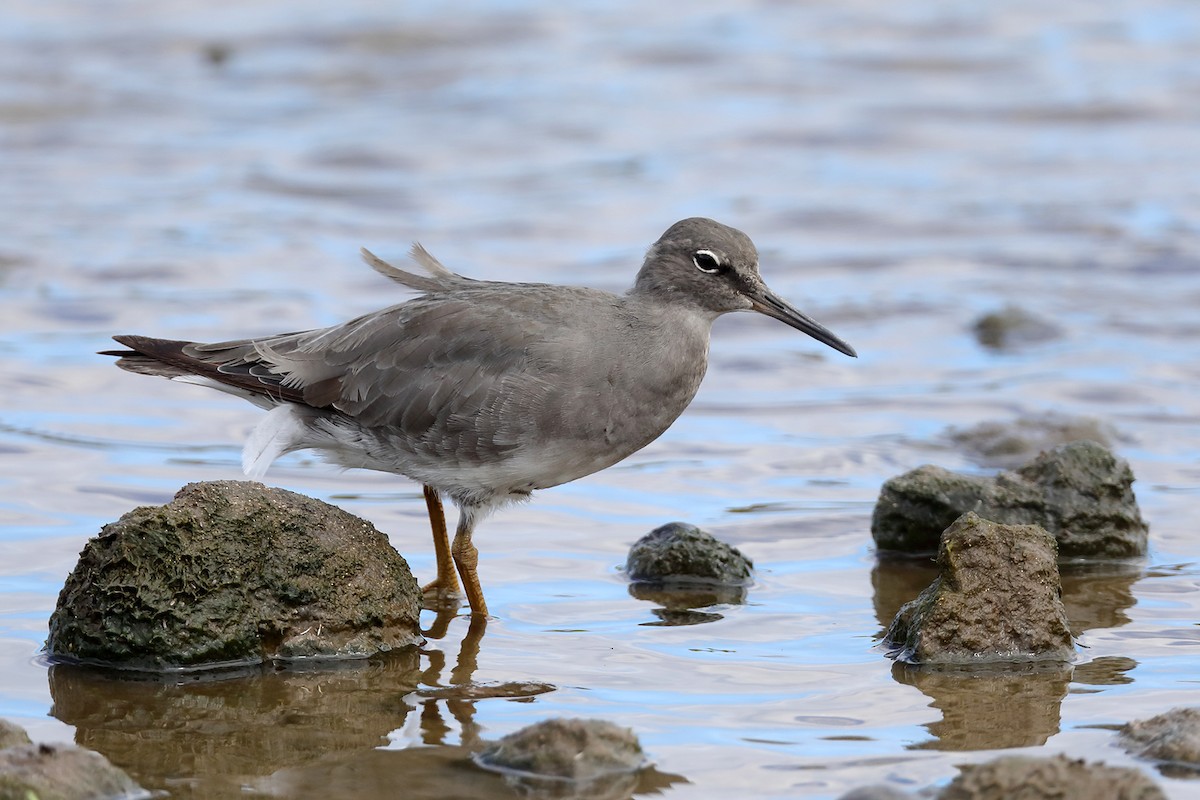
(232, 575)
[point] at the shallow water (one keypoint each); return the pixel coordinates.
(206, 170)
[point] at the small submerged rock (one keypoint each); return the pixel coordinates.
(678, 603)
(1012, 327)
(681, 568)
(1080, 492)
(1055, 778)
(232, 572)
(876, 792)
(1173, 738)
(216, 54)
(996, 599)
(575, 751)
(681, 553)
(58, 771)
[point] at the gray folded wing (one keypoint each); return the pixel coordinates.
(454, 372)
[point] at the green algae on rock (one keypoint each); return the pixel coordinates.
(997, 599)
(1079, 492)
(234, 573)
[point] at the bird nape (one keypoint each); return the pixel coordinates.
(484, 391)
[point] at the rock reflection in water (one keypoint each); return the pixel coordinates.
(1097, 595)
(990, 710)
(897, 580)
(223, 733)
(680, 603)
(278, 731)
(1103, 671)
(411, 762)
(1018, 707)
(438, 774)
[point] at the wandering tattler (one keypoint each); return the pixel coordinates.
(484, 391)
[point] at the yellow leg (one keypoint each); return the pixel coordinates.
(466, 558)
(442, 590)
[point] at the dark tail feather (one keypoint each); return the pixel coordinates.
(171, 358)
(149, 356)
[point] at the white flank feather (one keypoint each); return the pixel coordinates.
(281, 431)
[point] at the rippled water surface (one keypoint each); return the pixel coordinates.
(209, 170)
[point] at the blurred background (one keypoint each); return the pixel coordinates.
(209, 170)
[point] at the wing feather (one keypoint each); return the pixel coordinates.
(458, 372)
(439, 279)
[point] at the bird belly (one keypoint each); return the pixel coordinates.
(484, 473)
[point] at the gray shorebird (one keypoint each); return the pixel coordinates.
(484, 391)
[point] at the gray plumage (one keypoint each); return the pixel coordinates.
(483, 390)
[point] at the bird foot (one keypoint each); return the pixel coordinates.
(438, 596)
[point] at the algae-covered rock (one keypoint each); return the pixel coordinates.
(996, 599)
(1173, 738)
(570, 749)
(682, 553)
(1055, 778)
(62, 772)
(681, 568)
(232, 572)
(1080, 492)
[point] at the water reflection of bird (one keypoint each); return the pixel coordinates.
(485, 391)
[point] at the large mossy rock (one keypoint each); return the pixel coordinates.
(1080, 492)
(234, 573)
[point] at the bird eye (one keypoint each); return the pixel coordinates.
(706, 261)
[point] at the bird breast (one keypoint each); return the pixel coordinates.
(614, 389)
